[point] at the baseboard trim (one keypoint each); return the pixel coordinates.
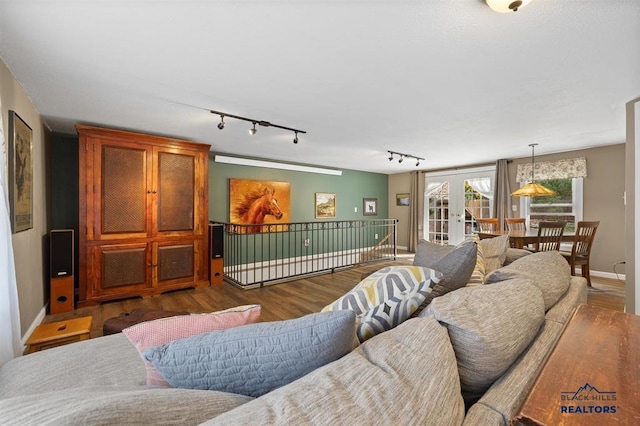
(602, 274)
(36, 322)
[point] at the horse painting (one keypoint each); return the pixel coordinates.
(255, 204)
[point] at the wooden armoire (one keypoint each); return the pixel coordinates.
(143, 215)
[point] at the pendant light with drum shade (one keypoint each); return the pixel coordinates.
(533, 189)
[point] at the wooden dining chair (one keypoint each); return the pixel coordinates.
(549, 236)
(515, 224)
(487, 224)
(581, 249)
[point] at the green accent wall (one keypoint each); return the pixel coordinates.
(350, 189)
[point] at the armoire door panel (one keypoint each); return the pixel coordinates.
(124, 266)
(122, 187)
(175, 262)
(175, 192)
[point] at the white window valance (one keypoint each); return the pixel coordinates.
(560, 169)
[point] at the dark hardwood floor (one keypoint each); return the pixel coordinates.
(286, 300)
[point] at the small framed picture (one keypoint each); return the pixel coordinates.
(402, 199)
(20, 173)
(325, 205)
(369, 206)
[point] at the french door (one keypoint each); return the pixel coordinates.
(454, 200)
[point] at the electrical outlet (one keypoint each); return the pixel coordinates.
(376, 236)
(306, 242)
(355, 210)
(514, 207)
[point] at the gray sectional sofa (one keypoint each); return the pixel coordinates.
(469, 358)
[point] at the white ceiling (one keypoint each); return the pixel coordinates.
(448, 80)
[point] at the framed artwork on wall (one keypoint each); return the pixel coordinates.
(325, 205)
(402, 199)
(369, 206)
(20, 174)
(265, 204)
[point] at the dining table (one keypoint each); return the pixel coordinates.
(520, 239)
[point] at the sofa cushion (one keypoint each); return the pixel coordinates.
(514, 254)
(489, 327)
(456, 263)
(164, 330)
(388, 380)
(387, 297)
(109, 360)
(117, 406)
(548, 271)
(506, 396)
(257, 358)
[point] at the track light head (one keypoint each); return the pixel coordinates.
(253, 130)
(417, 163)
(391, 157)
(295, 138)
(221, 123)
(401, 159)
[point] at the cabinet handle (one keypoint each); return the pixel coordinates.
(152, 264)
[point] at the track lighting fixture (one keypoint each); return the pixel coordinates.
(403, 156)
(253, 130)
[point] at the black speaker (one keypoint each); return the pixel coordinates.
(61, 252)
(61, 270)
(216, 241)
(216, 254)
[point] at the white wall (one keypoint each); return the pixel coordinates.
(28, 245)
(632, 188)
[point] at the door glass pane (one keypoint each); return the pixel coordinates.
(477, 203)
(438, 213)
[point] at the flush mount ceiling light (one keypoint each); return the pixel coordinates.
(253, 130)
(533, 189)
(403, 156)
(504, 6)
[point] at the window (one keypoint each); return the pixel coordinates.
(566, 206)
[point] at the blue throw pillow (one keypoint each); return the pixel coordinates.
(257, 358)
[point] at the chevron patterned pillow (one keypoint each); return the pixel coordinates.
(387, 297)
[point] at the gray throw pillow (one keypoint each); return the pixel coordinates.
(456, 263)
(489, 327)
(256, 358)
(549, 271)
